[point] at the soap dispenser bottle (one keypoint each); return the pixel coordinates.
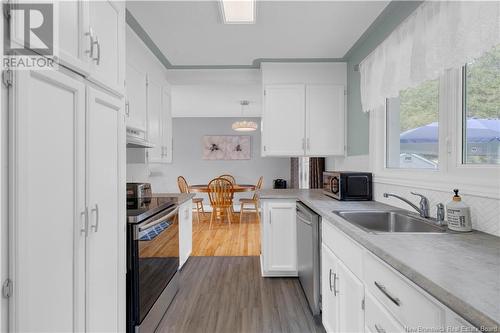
(458, 214)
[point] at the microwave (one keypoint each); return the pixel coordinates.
(344, 185)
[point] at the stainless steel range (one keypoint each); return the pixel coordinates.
(152, 260)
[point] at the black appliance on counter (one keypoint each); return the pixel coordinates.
(279, 183)
(152, 260)
(348, 186)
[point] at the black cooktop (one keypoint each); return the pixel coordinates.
(139, 209)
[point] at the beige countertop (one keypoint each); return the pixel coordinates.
(181, 197)
(461, 270)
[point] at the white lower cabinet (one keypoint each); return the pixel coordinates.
(67, 249)
(360, 292)
(279, 238)
(185, 232)
(342, 295)
(377, 318)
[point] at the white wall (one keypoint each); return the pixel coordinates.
(312, 73)
(216, 100)
(188, 162)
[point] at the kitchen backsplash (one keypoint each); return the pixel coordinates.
(485, 211)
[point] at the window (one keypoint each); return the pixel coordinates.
(481, 110)
(412, 123)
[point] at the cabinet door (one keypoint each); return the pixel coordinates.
(325, 120)
(107, 21)
(283, 120)
(106, 228)
(47, 209)
(167, 133)
(74, 36)
(351, 293)
(155, 120)
(185, 232)
(136, 98)
(329, 290)
(281, 237)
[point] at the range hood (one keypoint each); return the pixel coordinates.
(136, 138)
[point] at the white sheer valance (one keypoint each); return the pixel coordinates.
(438, 36)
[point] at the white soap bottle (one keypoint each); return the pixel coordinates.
(458, 214)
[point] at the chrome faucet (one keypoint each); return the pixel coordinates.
(424, 203)
(440, 214)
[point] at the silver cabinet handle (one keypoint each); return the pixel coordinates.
(384, 291)
(127, 108)
(98, 58)
(95, 226)
(379, 329)
(330, 279)
(90, 34)
(335, 278)
(85, 229)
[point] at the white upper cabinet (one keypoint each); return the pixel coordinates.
(283, 120)
(304, 109)
(107, 29)
(137, 82)
(325, 120)
(74, 38)
(159, 122)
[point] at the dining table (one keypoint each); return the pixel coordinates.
(203, 188)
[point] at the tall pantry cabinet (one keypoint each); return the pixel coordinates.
(67, 259)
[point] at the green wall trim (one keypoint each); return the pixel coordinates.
(143, 35)
(387, 12)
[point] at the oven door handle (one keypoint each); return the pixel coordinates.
(160, 220)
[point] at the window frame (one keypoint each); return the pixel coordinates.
(475, 179)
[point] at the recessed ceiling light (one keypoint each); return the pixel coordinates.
(238, 11)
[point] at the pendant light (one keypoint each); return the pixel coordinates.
(244, 125)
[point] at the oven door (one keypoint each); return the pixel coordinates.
(153, 263)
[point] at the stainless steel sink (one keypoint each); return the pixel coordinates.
(390, 221)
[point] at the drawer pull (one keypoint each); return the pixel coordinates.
(379, 329)
(384, 291)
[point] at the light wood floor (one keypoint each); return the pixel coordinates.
(239, 239)
(227, 294)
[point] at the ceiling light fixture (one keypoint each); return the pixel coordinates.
(238, 11)
(244, 125)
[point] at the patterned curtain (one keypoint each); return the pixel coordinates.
(316, 168)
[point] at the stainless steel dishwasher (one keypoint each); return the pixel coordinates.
(308, 255)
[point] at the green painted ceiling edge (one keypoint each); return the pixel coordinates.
(144, 36)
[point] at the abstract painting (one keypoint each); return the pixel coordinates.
(226, 147)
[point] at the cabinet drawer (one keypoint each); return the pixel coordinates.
(410, 306)
(343, 247)
(377, 318)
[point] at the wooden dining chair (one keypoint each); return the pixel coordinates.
(229, 177)
(254, 201)
(198, 202)
(233, 181)
(220, 193)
